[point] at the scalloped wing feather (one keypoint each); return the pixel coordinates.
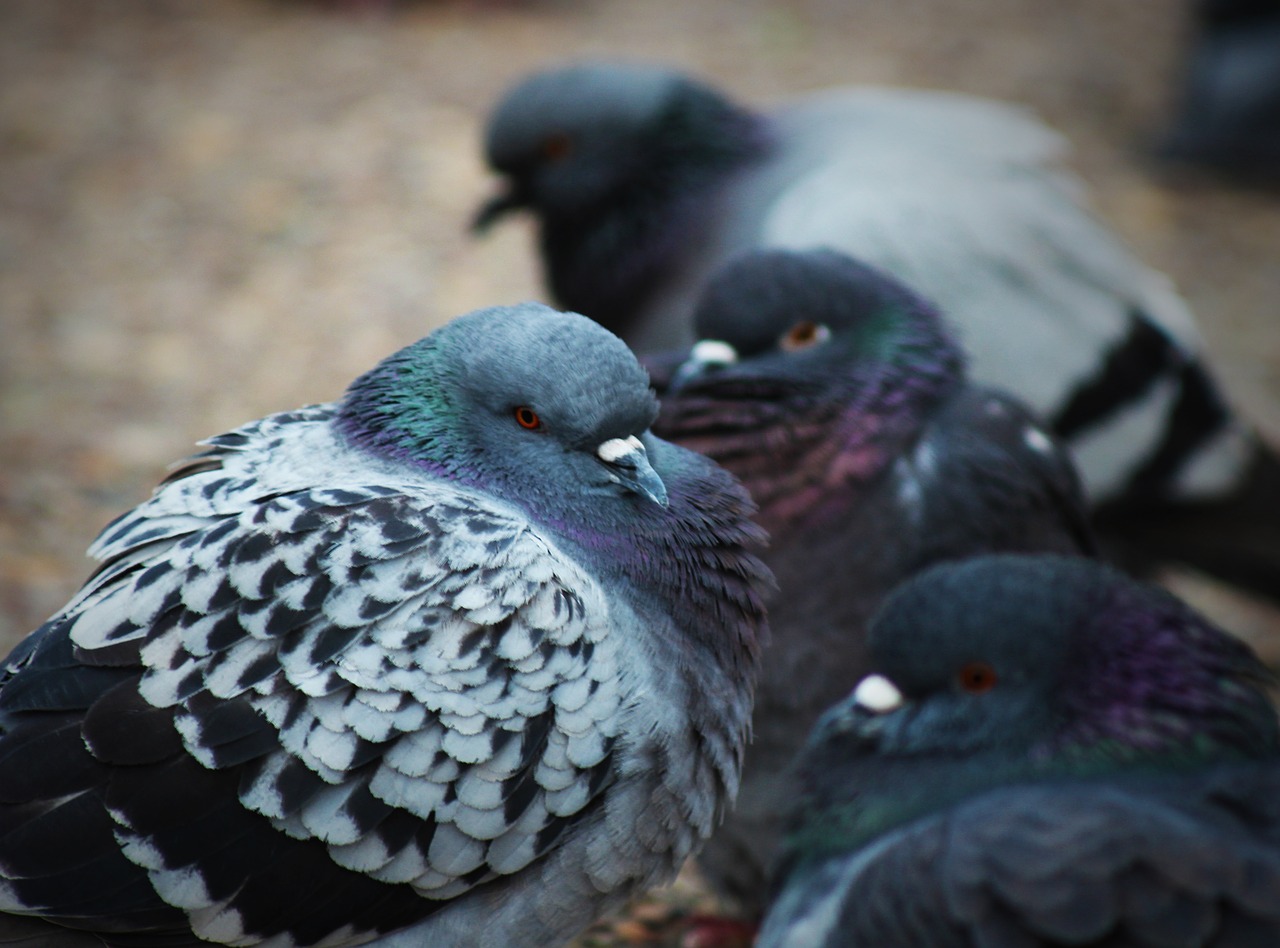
(396, 650)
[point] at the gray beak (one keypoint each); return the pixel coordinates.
(864, 709)
(707, 355)
(500, 205)
(628, 465)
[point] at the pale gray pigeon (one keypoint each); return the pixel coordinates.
(644, 181)
(465, 658)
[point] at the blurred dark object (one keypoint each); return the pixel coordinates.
(1228, 120)
(384, 7)
(352, 6)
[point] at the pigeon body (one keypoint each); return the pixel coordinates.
(644, 181)
(465, 658)
(838, 398)
(1048, 753)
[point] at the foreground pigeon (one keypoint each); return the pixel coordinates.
(464, 658)
(838, 398)
(1049, 753)
(644, 181)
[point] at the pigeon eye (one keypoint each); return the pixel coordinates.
(803, 336)
(977, 678)
(526, 417)
(556, 146)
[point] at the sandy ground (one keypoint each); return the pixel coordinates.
(216, 210)
(213, 210)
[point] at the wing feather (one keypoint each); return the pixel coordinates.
(408, 676)
(1082, 863)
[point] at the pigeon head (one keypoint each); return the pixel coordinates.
(814, 316)
(564, 139)
(570, 139)
(611, 156)
(823, 358)
(1050, 663)
(546, 408)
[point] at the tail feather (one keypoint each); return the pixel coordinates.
(1234, 538)
(26, 931)
(20, 931)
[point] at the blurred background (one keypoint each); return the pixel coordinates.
(215, 209)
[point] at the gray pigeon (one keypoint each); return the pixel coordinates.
(1048, 754)
(465, 658)
(838, 398)
(644, 181)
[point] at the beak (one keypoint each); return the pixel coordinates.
(628, 465)
(500, 205)
(706, 356)
(861, 712)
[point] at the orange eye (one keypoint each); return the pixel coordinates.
(556, 146)
(527, 418)
(803, 335)
(977, 678)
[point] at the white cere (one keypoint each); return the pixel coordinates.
(714, 352)
(614, 449)
(1037, 441)
(877, 693)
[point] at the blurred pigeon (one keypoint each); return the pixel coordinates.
(837, 397)
(1229, 114)
(1049, 753)
(464, 658)
(644, 181)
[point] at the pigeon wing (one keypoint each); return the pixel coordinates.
(964, 201)
(1055, 864)
(305, 709)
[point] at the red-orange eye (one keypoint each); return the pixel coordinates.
(556, 146)
(803, 335)
(977, 678)
(526, 417)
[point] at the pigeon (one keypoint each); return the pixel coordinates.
(644, 181)
(1228, 116)
(464, 658)
(837, 396)
(1048, 752)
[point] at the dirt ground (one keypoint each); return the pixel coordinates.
(215, 209)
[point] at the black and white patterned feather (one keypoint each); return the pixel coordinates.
(316, 694)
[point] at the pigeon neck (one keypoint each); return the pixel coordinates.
(393, 412)
(697, 551)
(1138, 695)
(809, 455)
(848, 808)
(854, 800)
